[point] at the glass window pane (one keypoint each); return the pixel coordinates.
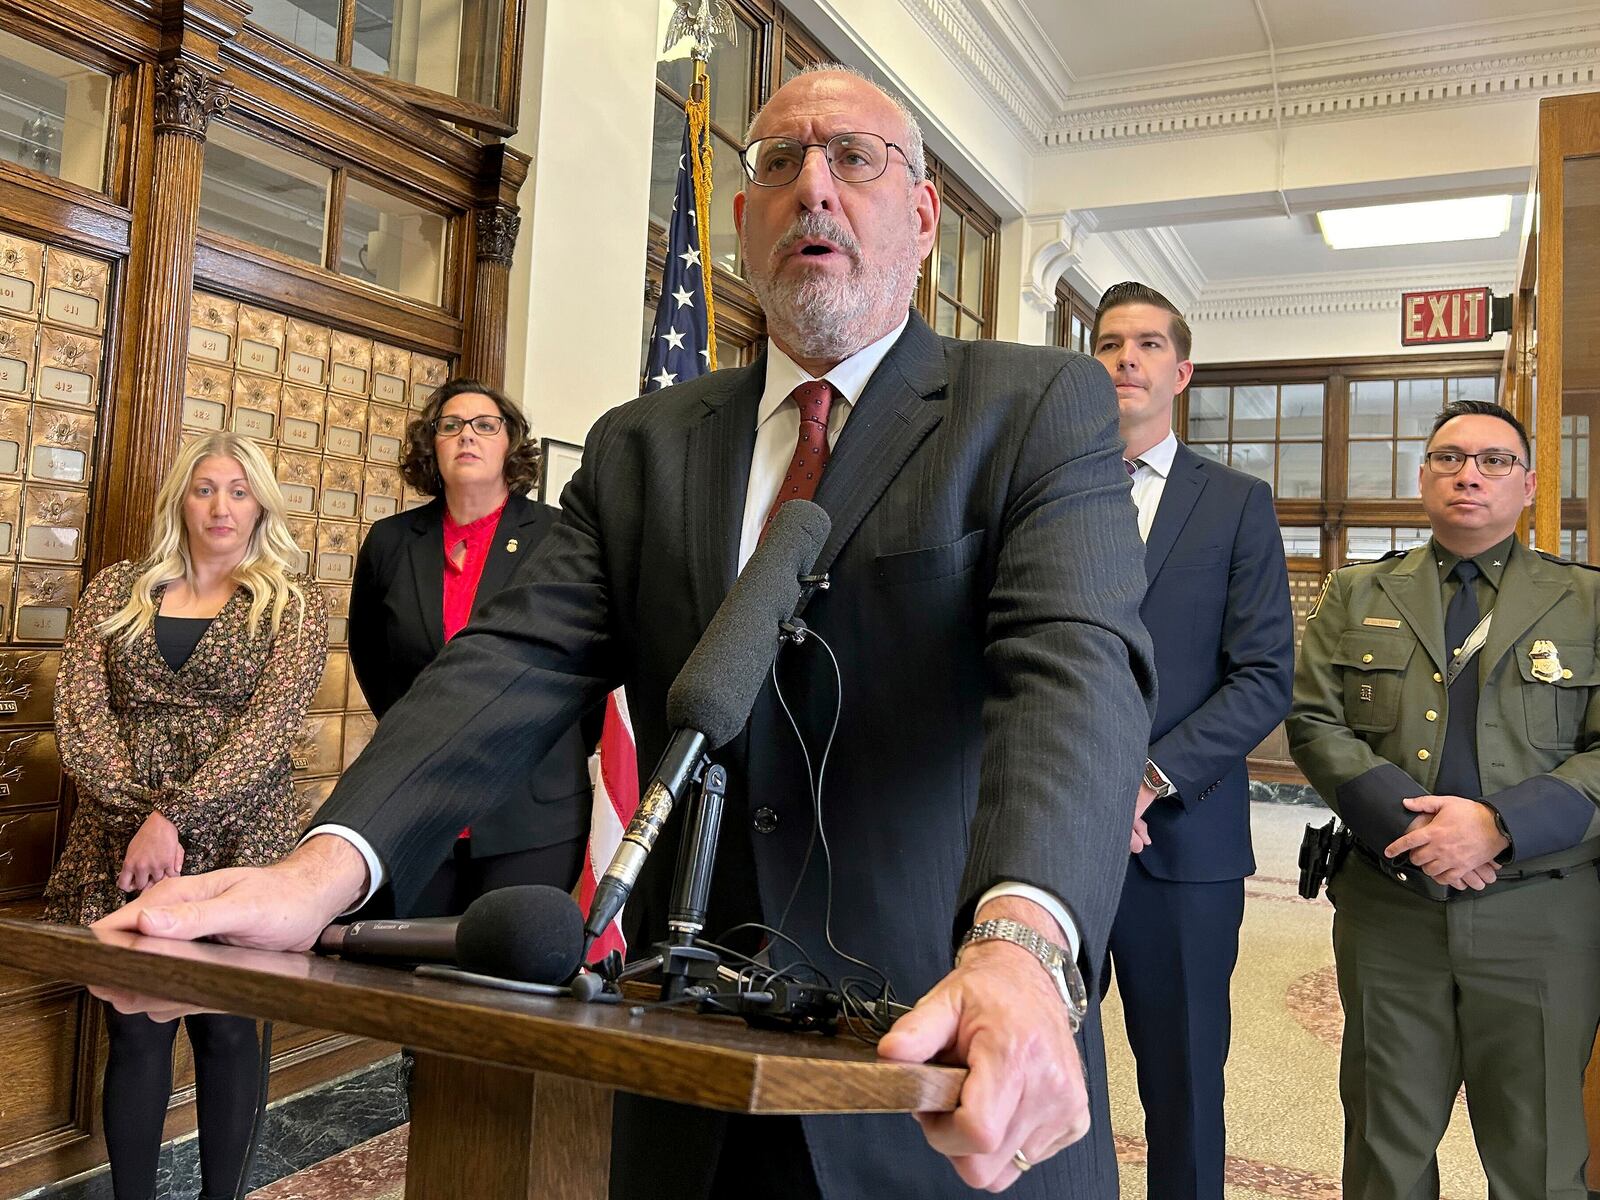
(1372, 407)
(310, 24)
(949, 250)
(792, 66)
(53, 113)
(1420, 402)
(1299, 470)
(731, 68)
(1406, 538)
(1366, 544)
(666, 145)
(1372, 469)
(727, 177)
(1301, 405)
(1301, 541)
(970, 327)
(944, 314)
(392, 242)
(1253, 458)
(1208, 414)
(260, 193)
(446, 46)
(972, 264)
(1079, 337)
(1255, 411)
(1217, 452)
(1473, 387)
(1408, 461)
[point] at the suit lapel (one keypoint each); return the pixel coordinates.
(1185, 482)
(1527, 591)
(1414, 589)
(885, 426)
(514, 527)
(427, 569)
(716, 474)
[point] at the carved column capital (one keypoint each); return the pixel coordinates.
(497, 228)
(187, 98)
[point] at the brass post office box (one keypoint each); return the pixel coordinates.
(304, 532)
(53, 521)
(263, 335)
(205, 397)
(21, 272)
(14, 417)
(30, 768)
(358, 731)
(61, 446)
(391, 374)
(19, 357)
(46, 597)
(316, 750)
(347, 426)
(386, 433)
(426, 376)
(352, 365)
(299, 477)
(310, 795)
(308, 354)
(338, 599)
(27, 685)
(380, 493)
(255, 406)
(341, 492)
(330, 692)
(305, 412)
(75, 289)
(69, 368)
(337, 542)
(213, 326)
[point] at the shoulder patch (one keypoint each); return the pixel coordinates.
(1566, 562)
(1367, 562)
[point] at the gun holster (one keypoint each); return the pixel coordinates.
(1322, 852)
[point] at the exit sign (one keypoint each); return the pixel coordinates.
(1453, 315)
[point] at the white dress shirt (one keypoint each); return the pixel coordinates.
(1150, 481)
(777, 432)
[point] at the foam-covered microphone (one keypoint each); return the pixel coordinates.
(710, 700)
(531, 933)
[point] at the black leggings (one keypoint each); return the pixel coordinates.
(139, 1086)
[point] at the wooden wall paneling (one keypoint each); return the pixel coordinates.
(495, 222)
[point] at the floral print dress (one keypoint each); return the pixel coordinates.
(207, 745)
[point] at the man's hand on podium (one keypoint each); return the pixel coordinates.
(999, 1014)
(281, 907)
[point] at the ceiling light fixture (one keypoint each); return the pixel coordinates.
(1465, 219)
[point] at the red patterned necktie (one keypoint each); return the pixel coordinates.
(813, 399)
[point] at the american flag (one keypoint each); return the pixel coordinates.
(680, 348)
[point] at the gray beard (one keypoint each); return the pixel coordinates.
(821, 317)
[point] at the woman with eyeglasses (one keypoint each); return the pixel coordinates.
(420, 578)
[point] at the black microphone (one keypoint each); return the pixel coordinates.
(531, 933)
(710, 700)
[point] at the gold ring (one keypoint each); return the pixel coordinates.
(1020, 1161)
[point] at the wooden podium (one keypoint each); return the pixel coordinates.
(512, 1094)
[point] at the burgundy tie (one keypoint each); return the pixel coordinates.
(813, 399)
(1132, 466)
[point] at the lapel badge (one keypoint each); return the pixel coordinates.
(511, 546)
(1546, 663)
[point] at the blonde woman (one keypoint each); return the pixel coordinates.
(182, 686)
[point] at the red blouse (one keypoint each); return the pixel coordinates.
(461, 579)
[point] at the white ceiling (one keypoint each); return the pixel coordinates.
(1094, 39)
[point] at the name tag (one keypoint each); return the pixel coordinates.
(1381, 622)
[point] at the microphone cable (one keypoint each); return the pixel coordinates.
(264, 1077)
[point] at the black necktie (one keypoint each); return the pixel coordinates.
(1458, 765)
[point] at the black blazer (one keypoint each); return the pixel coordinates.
(1218, 613)
(397, 629)
(997, 692)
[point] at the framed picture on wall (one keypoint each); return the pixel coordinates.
(560, 460)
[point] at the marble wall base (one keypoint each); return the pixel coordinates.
(300, 1130)
(1284, 793)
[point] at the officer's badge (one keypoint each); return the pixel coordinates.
(1545, 661)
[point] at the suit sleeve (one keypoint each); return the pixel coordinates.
(1069, 669)
(1364, 789)
(368, 623)
(1258, 662)
(491, 705)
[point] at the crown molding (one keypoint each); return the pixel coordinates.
(1158, 257)
(987, 67)
(1485, 80)
(1338, 292)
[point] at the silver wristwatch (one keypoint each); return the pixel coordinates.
(1051, 957)
(1153, 780)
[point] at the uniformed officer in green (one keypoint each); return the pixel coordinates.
(1447, 707)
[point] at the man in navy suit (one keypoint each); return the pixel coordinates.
(1218, 611)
